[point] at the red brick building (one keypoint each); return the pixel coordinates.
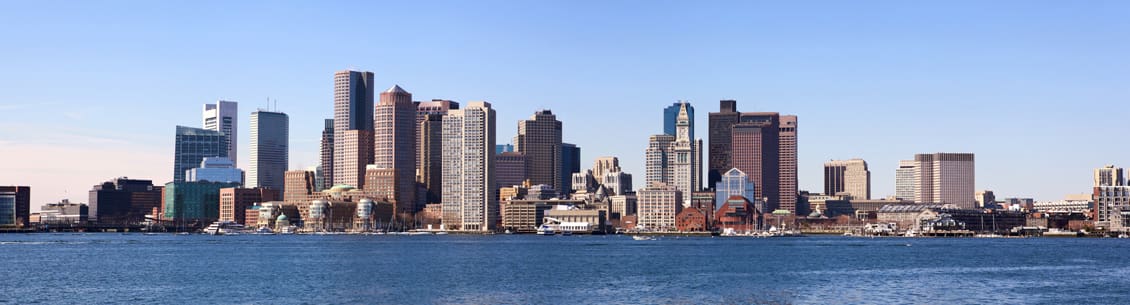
(737, 213)
(691, 220)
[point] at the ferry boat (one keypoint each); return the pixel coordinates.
(224, 227)
(547, 229)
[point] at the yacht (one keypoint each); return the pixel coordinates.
(547, 229)
(224, 227)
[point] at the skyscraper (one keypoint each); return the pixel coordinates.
(755, 144)
(470, 200)
(539, 138)
(682, 166)
(847, 176)
(223, 117)
(270, 144)
(429, 118)
(657, 159)
(787, 167)
(671, 119)
(946, 178)
(1109, 176)
(327, 157)
(570, 164)
(510, 169)
(721, 124)
(761, 144)
(394, 127)
(192, 145)
(904, 180)
(15, 206)
(353, 126)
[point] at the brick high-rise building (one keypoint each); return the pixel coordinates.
(847, 176)
(394, 129)
(946, 178)
(539, 138)
(761, 144)
(429, 144)
(300, 185)
(353, 126)
(787, 166)
(510, 169)
(470, 198)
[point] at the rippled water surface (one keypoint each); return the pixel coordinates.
(513, 269)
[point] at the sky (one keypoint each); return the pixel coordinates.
(92, 90)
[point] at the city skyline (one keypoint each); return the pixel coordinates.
(994, 98)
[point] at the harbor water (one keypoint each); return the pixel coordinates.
(529, 269)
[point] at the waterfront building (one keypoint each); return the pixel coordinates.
(511, 169)
(353, 126)
(1110, 204)
(657, 206)
(738, 214)
(215, 169)
(223, 117)
(380, 184)
(123, 201)
(192, 145)
(429, 118)
(908, 216)
(577, 214)
(734, 183)
(194, 200)
(469, 198)
(849, 177)
(944, 178)
(985, 199)
(1109, 176)
(394, 128)
(63, 213)
(570, 163)
(834, 206)
(691, 220)
(705, 201)
(522, 216)
(603, 165)
(326, 176)
(904, 180)
(1063, 206)
(539, 138)
(234, 202)
(270, 149)
(300, 185)
(15, 207)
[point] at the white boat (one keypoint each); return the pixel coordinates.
(441, 233)
(547, 229)
(224, 227)
(642, 237)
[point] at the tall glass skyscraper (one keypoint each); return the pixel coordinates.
(270, 148)
(192, 146)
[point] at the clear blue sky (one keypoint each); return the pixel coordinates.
(1037, 89)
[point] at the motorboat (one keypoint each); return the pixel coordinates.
(642, 237)
(547, 229)
(224, 227)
